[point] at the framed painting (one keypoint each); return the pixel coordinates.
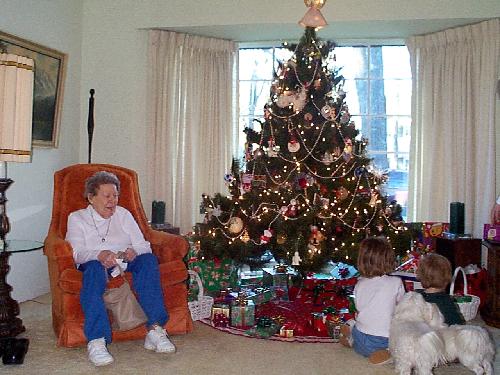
(50, 70)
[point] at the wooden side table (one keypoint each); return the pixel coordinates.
(10, 324)
(461, 251)
(491, 311)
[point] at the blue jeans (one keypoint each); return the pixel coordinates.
(146, 280)
(367, 344)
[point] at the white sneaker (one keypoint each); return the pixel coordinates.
(98, 353)
(157, 340)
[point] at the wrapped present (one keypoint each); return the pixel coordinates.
(433, 230)
(216, 275)
(343, 271)
(220, 320)
(318, 323)
(265, 328)
(286, 330)
(220, 308)
(242, 313)
(272, 276)
(261, 295)
(251, 278)
(333, 323)
(491, 232)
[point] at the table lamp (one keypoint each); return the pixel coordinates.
(16, 113)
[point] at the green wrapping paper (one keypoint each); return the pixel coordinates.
(243, 315)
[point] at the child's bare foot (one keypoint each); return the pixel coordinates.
(380, 357)
(345, 336)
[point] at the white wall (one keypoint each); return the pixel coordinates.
(55, 24)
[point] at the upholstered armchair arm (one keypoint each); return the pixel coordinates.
(167, 247)
(58, 250)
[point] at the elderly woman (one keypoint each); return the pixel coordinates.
(99, 234)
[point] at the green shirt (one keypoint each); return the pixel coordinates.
(446, 305)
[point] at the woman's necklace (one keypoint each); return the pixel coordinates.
(103, 238)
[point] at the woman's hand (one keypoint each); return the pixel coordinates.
(130, 255)
(107, 258)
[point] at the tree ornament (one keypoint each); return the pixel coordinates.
(285, 99)
(327, 158)
(373, 199)
(245, 237)
(292, 208)
(308, 117)
(347, 154)
(293, 144)
(318, 4)
(316, 236)
(235, 225)
(296, 259)
(299, 100)
(345, 117)
(271, 150)
(360, 171)
(281, 238)
(326, 112)
(228, 179)
(341, 193)
(266, 237)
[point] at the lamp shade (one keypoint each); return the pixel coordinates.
(16, 107)
(313, 18)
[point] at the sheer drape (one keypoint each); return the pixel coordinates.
(452, 156)
(191, 96)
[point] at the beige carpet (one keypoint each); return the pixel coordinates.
(205, 351)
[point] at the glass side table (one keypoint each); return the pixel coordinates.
(10, 324)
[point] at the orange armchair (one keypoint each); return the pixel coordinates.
(66, 280)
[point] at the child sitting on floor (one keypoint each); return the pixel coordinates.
(434, 272)
(376, 295)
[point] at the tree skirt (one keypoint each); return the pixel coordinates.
(307, 319)
(243, 332)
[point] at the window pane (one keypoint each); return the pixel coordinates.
(376, 63)
(377, 97)
(256, 63)
(353, 61)
(398, 133)
(397, 94)
(396, 62)
(253, 96)
(357, 96)
(377, 140)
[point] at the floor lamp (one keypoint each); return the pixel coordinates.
(16, 113)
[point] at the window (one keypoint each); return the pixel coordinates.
(378, 87)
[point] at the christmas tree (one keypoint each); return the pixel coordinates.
(307, 187)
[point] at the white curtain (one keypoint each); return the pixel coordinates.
(192, 115)
(452, 158)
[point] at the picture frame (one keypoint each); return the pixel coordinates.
(50, 74)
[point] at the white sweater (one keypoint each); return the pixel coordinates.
(376, 298)
(87, 238)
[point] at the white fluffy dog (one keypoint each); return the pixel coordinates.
(419, 339)
(413, 342)
(471, 345)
